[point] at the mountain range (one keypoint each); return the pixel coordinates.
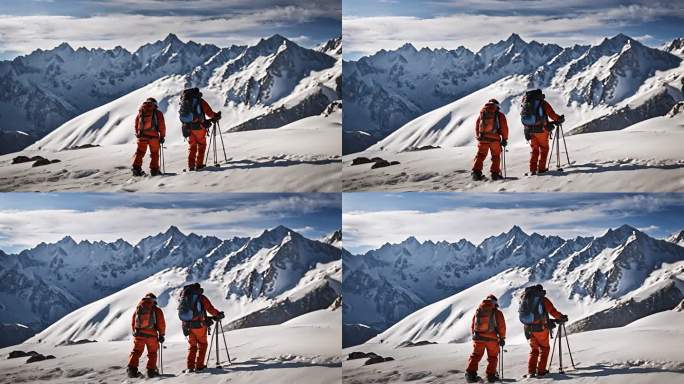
(50, 90)
(415, 291)
(408, 98)
(49, 284)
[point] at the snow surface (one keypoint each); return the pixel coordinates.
(646, 351)
(646, 157)
(303, 350)
(303, 156)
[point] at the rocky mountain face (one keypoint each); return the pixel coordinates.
(46, 89)
(46, 282)
(385, 285)
(390, 88)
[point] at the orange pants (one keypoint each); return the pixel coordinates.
(197, 349)
(484, 147)
(539, 351)
(143, 143)
(139, 344)
(540, 150)
(479, 347)
(198, 144)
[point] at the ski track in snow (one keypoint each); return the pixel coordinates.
(301, 157)
(637, 353)
(646, 157)
(297, 353)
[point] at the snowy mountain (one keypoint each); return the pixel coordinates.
(51, 89)
(619, 77)
(386, 288)
(677, 238)
(250, 274)
(334, 238)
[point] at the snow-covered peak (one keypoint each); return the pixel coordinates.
(332, 47)
(677, 238)
(676, 46)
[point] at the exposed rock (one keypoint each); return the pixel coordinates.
(360, 355)
(676, 109)
(406, 344)
(423, 148)
(377, 360)
(356, 141)
(41, 162)
(361, 160)
(381, 164)
(38, 357)
(13, 334)
(356, 334)
(665, 298)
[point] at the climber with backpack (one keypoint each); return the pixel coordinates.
(534, 312)
(535, 112)
(491, 132)
(196, 117)
(150, 130)
(488, 329)
(192, 311)
(148, 327)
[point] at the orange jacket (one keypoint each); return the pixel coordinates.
(147, 130)
(548, 111)
(160, 324)
(206, 304)
(551, 310)
(207, 109)
(503, 129)
(500, 322)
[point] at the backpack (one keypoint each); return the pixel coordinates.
(141, 116)
(532, 309)
(532, 109)
(190, 305)
(190, 110)
(485, 320)
(145, 316)
(489, 120)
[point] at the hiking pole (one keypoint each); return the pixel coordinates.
(225, 157)
(501, 365)
(161, 358)
(572, 361)
(504, 164)
(567, 155)
(161, 152)
(211, 138)
(225, 343)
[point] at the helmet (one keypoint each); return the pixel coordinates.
(150, 295)
(494, 101)
(493, 298)
(151, 100)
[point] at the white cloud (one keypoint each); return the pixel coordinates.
(363, 230)
(364, 35)
(27, 33)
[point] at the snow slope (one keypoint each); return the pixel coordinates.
(604, 356)
(304, 350)
(645, 157)
(303, 156)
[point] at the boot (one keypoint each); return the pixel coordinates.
(137, 171)
(152, 373)
(541, 374)
(541, 171)
(132, 372)
(189, 370)
(493, 378)
(477, 175)
(199, 369)
(497, 176)
(199, 167)
(155, 172)
(472, 377)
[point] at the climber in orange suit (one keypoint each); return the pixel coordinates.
(539, 139)
(148, 328)
(488, 329)
(150, 130)
(538, 335)
(197, 330)
(491, 132)
(197, 142)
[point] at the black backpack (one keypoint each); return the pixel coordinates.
(532, 306)
(190, 110)
(532, 109)
(190, 305)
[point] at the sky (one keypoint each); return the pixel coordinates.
(27, 219)
(373, 219)
(26, 25)
(372, 25)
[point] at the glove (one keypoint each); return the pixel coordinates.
(162, 140)
(217, 116)
(221, 315)
(502, 342)
(504, 142)
(561, 119)
(564, 318)
(161, 339)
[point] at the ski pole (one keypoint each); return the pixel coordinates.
(501, 362)
(572, 361)
(567, 155)
(504, 162)
(161, 358)
(216, 332)
(225, 157)
(161, 152)
(225, 343)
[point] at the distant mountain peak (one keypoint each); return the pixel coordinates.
(172, 38)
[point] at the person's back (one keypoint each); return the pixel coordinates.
(150, 130)
(535, 114)
(488, 329)
(491, 132)
(148, 327)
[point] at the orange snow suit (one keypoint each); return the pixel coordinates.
(148, 325)
(539, 143)
(539, 341)
(148, 134)
(488, 327)
(198, 139)
(197, 338)
(489, 133)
